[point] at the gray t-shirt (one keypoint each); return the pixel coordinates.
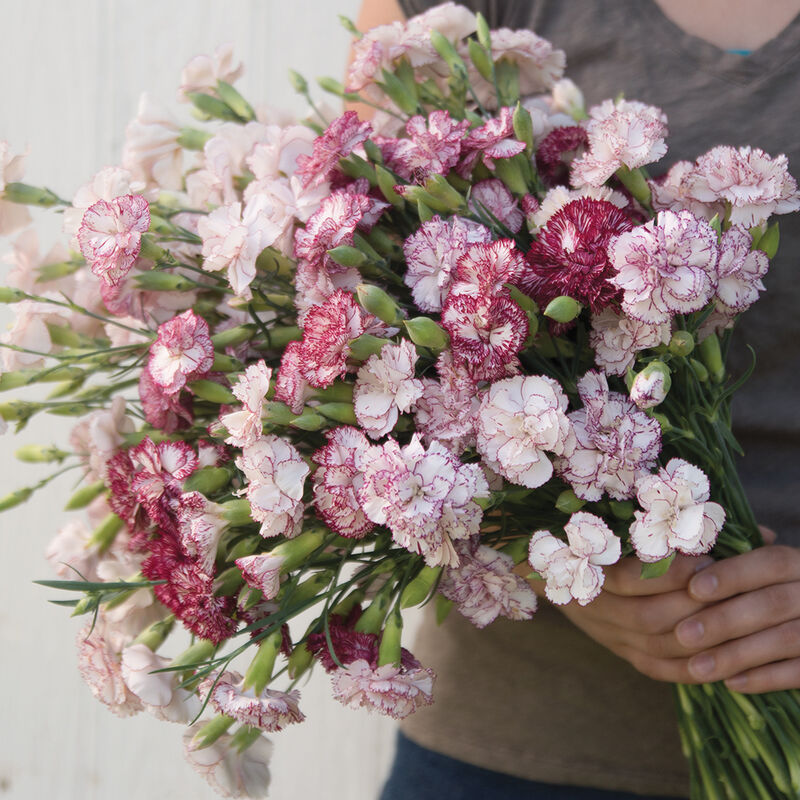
(540, 700)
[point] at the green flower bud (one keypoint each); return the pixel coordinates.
(563, 309)
(309, 420)
(13, 380)
(348, 603)
(64, 336)
(85, 495)
(365, 346)
(272, 262)
(244, 738)
(309, 589)
(418, 194)
(18, 410)
(199, 652)
(681, 343)
(419, 588)
(30, 195)
(208, 107)
(389, 651)
(193, 139)
(711, 356)
(662, 420)
(373, 152)
(356, 167)
(259, 673)
(9, 295)
(376, 301)
(224, 363)
(150, 250)
(699, 369)
(295, 551)
(228, 582)
(568, 502)
(424, 332)
(235, 101)
(59, 269)
(371, 620)
(425, 213)
(299, 661)
(523, 125)
(298, 82)
(40, 454)
(280, 336)
(212, 391)
(337, 392)
(386, 183)
(403, 95)
(233, 336)
(343, 413)
(331, 86)
(515, 173)
(207, 480)
(347, 256)
(481, 58)
(104, 534)
(158, 281)
(484, 35)
(156, 634)
(635, 182)
(15, 498)
(212, 731)
(277, 413)
(438, 187)
(770, 240)
(443, 608)
(507, 80)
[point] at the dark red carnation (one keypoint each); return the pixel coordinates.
(556, 152)
(570, 257)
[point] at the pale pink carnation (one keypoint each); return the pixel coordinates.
(433, 146)
(202, 73)
(110, 235)
(386, 387)
(71, 553)
(28, 331)
(270, 711)
(616, 339)
(431, 254)
(424, 497)
(493, 196)
(622, 133)
(151, 150)
(673, 191)
(754, 184)
(98, 436)
(245, 426)
(290, 385)
(521, 419)
(740, 271)
(275, 474)
(100, 666)
(567, 97)
(665, 267)
(574, 570)
(158, 691)
(389, 689)
(337, 481)
(483, 586)
(13, 216)
(182, 352)
(276, 155)
(616, 444)
(540, 64)
(26, 263)
(231, 772)
(262, 572)
(677, 514)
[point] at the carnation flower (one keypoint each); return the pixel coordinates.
(673, 191)
(560, 196)
(158, 691)
(337, 481)
(71, 551)
(234, 238)
(393, 690)
(650, 386)
(433, 146)
(110, 235)
(424, 497)
(616, 339)
(201, 525)
(431, 254)
(677, 514)
(616, 444)
(493, 196)
(99, 435)
(167, 412)
(275, 474)
(182, 352)
(556, 152)
(622, 133)
(328, 331)
(574, 570)
(13, 216)
(231, 771)
(152, 152)
(570, 256)
(290, 385)
(740, 271)
(665, 267)
(386, 387)
(484, 269)
(337, 141)
(485, 332)
(245, 426)
(270, 711)
(493, 139)
(275, 156)
(520, 420)
(483, 586)
(262, 572)
(202, 73)
(754, 184)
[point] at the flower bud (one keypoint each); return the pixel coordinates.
(424, 332)
(523, 125)
(207, 480)
(372, 618)
(281, 335)
(402, 93)
(699, 369)
(337, 392)
(199, 652)
(386, 183)
(156, 634)
(15, 498)
(348, 603)
(310, 588)
(159, 281)
(635, 182)
(40, 454)
(662, 420)
(277, 413)
(425, 213)
(651, 385)
(481, 59)
(376, 301)
(567, 97)
(338, 412)
(85, 495)
(212, 391)
(211, 731)
(295, 551)
(769, 242)
(309, 420)
(563, 309)
(208, 107)
(18, 410)
(365, 346)
(30, 195)
(711, 356)
(298, 82)
(331, 85)
(228, 582)
(568, 502)
(418, 194)
(347, 256)
(299, 661)
(104, 534)
(438, 186)
(193, 139)
(259, 673)
(9, 295)
(419, 588)
(223, 363)
(245, 737)
(150, 250)
(681, 343)
(233, 336)
(389, 650)
(514, 172)
(235, 101)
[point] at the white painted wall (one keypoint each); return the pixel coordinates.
(70, 76)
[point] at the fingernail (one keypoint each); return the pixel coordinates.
(702, 666)
(690, 632)
(737, 682)
(704, 585)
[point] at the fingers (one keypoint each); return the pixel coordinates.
(745, 573)
(673, 670)
(775, 644)
(624, 578)
(768, 535)
(768, 678)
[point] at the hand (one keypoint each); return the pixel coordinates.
(636, 618)
(750, 634)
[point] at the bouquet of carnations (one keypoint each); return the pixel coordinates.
(344, 368)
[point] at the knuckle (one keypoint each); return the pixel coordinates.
(778, 599)
(789, 637)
